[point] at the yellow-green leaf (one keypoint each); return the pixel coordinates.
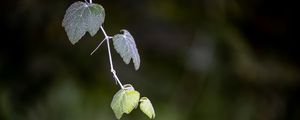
(130, 100)
(116, 103)
(125, 100)
(147, 107)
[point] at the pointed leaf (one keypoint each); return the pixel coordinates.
(147, 107)
(126, 47)
(82, 17)
(116, 103)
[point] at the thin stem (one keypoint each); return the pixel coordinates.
(112, 70)
(106, 36)
(91, 1)
(98, 46)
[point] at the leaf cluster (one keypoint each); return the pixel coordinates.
(127, 99)
(84, 17)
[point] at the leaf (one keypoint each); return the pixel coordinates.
(126, 47)
(147, 107)
(125, 100)
(82, 17)
(116, 103)
(131, 100)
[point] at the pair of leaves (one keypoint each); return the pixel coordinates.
(82, 17)
(125, 100)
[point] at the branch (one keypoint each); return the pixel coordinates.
(112, 70)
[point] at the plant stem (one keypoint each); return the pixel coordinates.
(112, 70)
(98, 46)
(91, 1)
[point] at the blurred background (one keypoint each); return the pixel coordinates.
(200, 60)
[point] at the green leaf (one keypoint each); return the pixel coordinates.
(82, 17)
(131, 100)
(125, 100)
(126, 47)
(147, 107)
(117, 104)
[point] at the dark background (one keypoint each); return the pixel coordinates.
(200, 60)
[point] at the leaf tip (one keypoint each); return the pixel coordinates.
(73, 43)
(137, 66)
